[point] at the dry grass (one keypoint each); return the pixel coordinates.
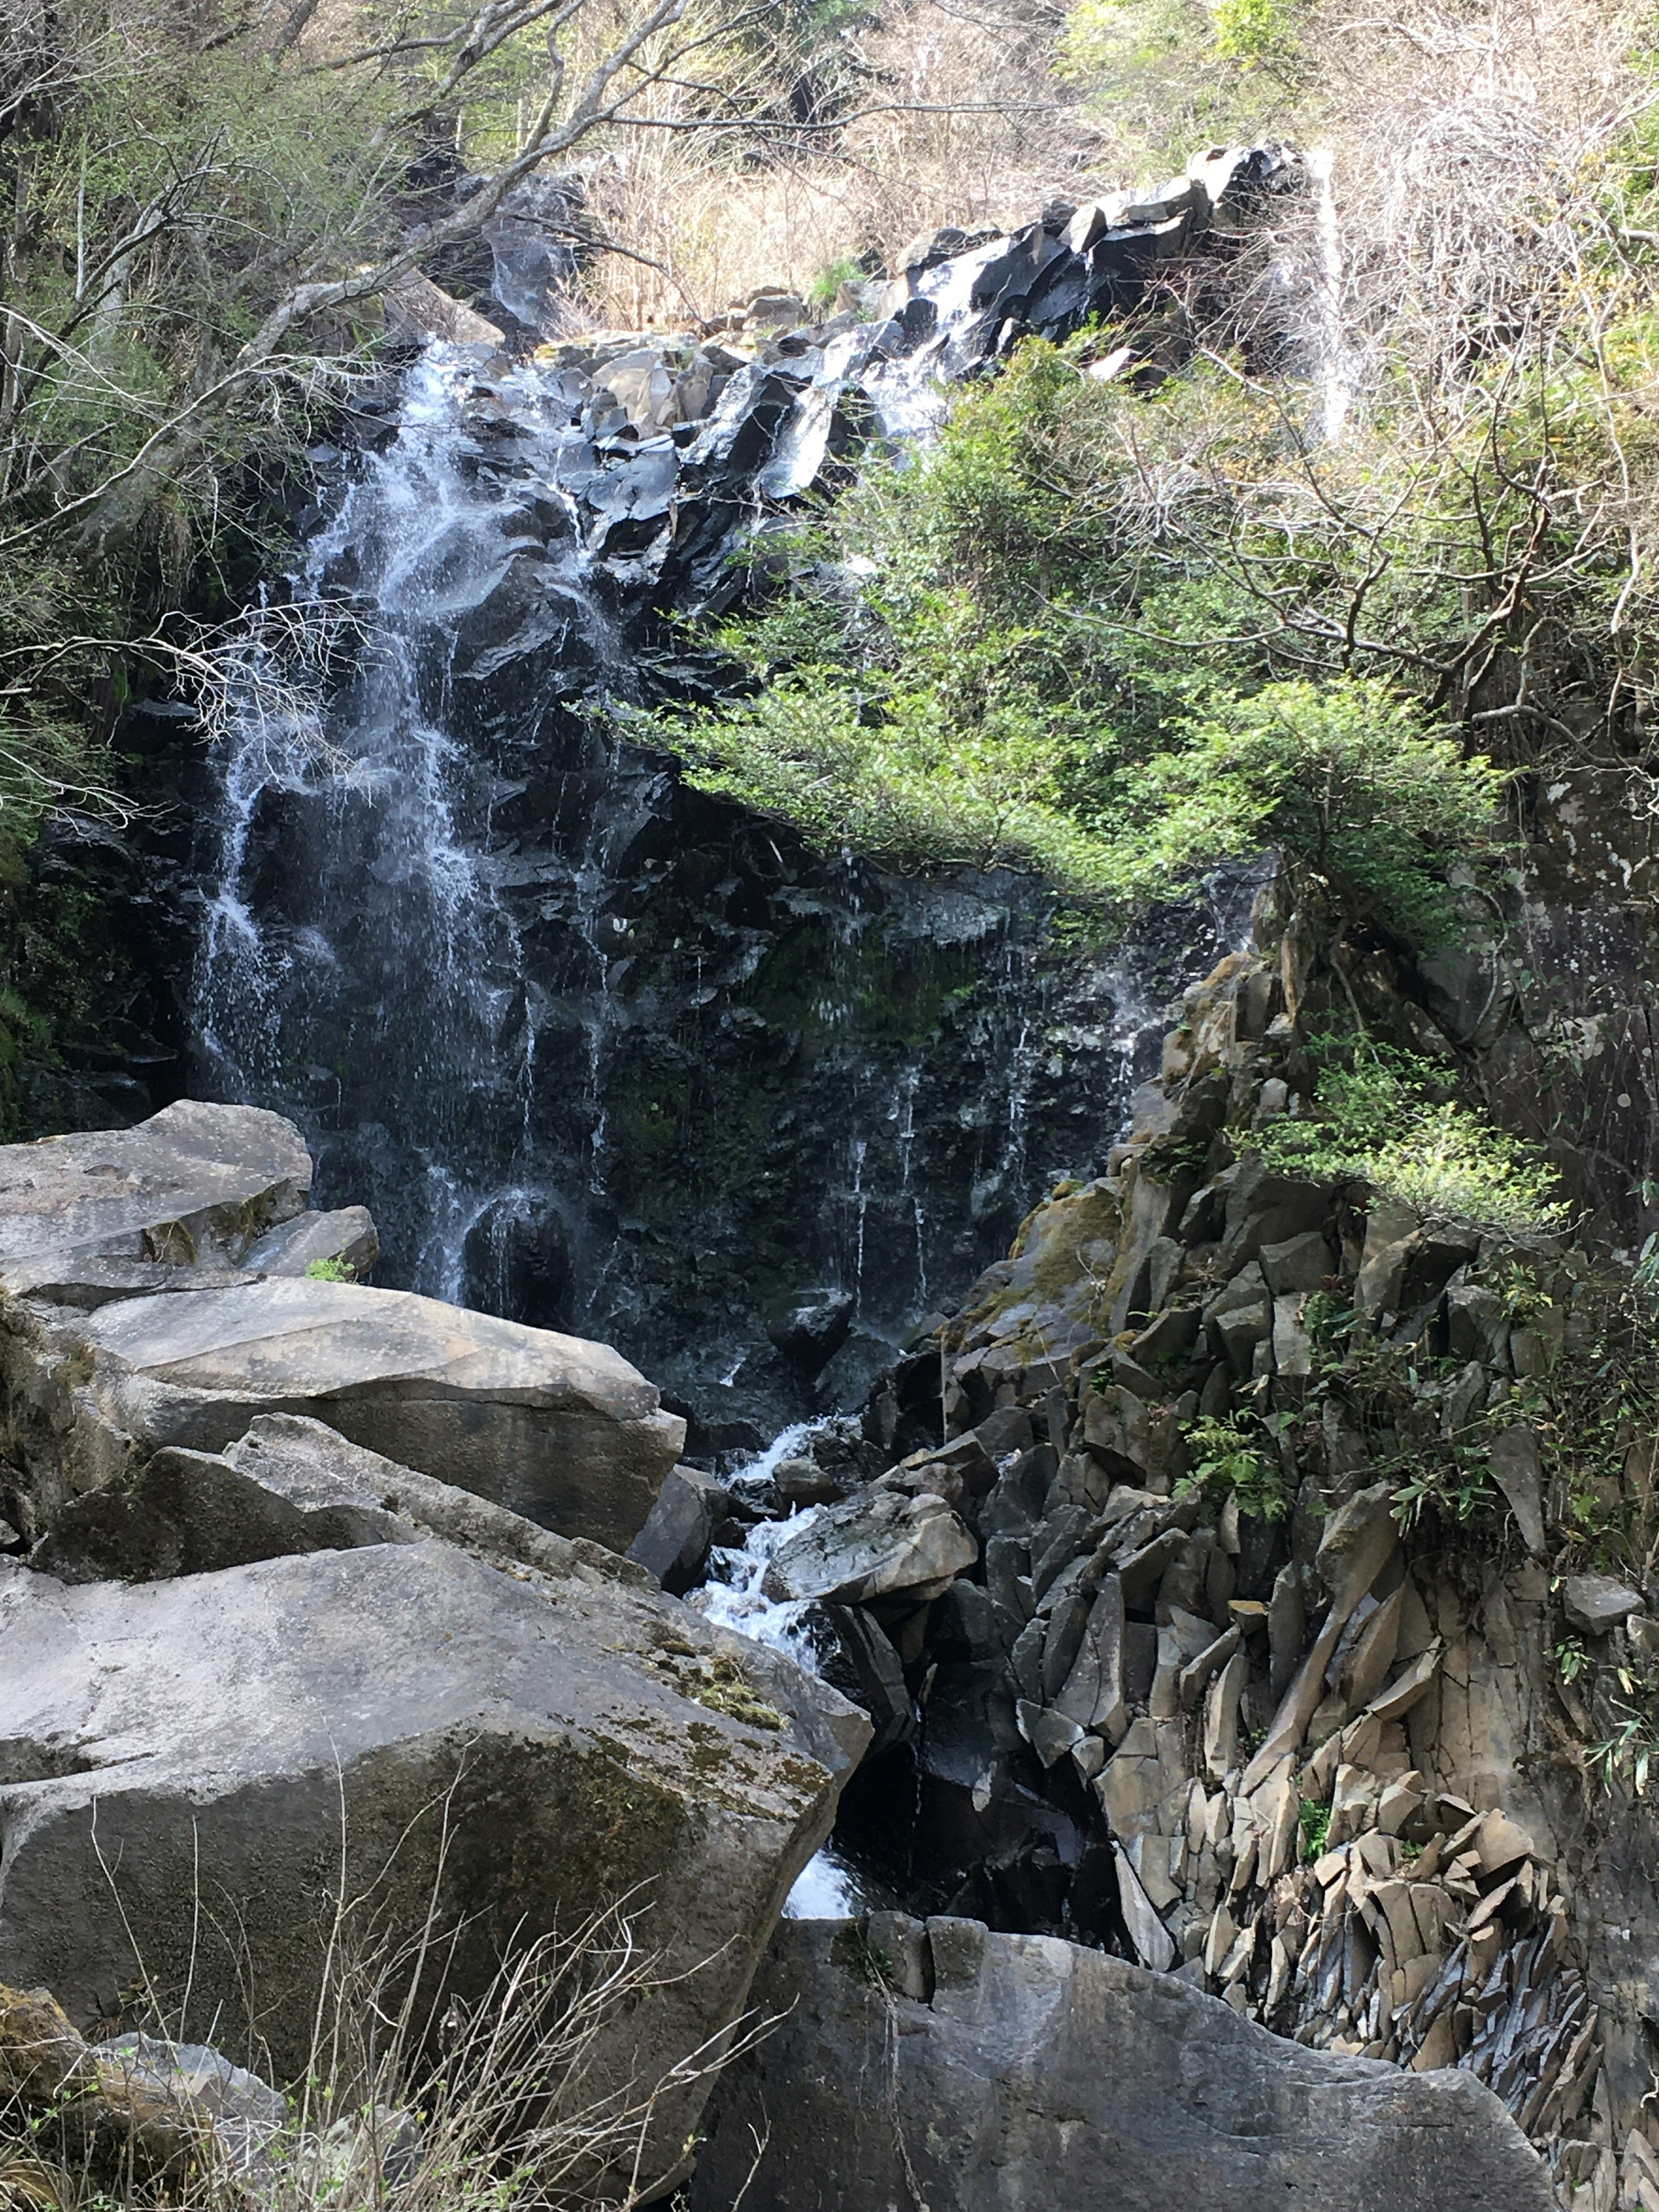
(520, 2096)
(966, 124)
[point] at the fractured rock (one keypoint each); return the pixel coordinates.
(873, 1544)
(226, 1736)
(563, 1431)
(1595, 1603)
(1111, 2085)
(195, 1185)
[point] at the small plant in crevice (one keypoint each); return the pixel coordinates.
(1630, 1714)
(870, 1961)
(1226, 1459)
(1314, 1821)
(1454, 1485)
(331, 1271)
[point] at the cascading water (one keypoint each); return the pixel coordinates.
(600, 1052)
(359, 966)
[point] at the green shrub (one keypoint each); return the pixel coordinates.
(1232, 1458)
(1380, 1116)
(1025, 650)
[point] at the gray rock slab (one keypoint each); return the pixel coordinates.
(193, 1185)
(1517, 1472)
(289, 1485)
(564, 1431)
(525, 1747)
(347, 1236)
(1044, 2075)
(1595, 1603)
(872, 1544)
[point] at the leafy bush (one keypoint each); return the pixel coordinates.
(1379, 1117)
(1228, 1459)
(1019, 651)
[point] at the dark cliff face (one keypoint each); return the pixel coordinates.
(675, 1083)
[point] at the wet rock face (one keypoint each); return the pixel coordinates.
(602, 1055)
(980, 2073)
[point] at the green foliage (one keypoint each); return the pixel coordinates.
(996, 656)
(828, 282)
(1382, 1116)
(332, 1270)
(1256, 33)
(1314, 1821)
(1453, 1487)
(1341, 776)
(1571, 1658)
(1232, 1458)
(1626, 1753)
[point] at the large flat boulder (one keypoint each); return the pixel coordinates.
(194, 1186)
(563, 1431)
(1029, 2072)
(189, 1767)
(291, 1485)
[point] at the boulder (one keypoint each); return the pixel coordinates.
(674, 1543)
(873, 1544)
(562, 1430)
(291, 1485)
(194, 1186)
(1043, 2073)
(191, 1766)
(1594, 1604)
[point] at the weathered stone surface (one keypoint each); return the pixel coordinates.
(194, 1185)
(1515, 1470)
(564, 1431)
(1298, 1267)
(1391, 1231)
(1046, 2075)
(289, 1485)
(871, 1545)
(214, 1735)
(346, 1237)
(1595, 1603)
(674, 1542)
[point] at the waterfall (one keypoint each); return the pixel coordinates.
(601, 1053)
(359, 967)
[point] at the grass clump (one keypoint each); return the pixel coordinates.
(331, 1271)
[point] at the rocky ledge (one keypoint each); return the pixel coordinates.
(252, 1667)
(1288, 1662)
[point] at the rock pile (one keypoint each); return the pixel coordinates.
(244, 1650)
(681, 439)
(1242, 1721)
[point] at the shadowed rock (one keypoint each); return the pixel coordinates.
(1042, 2072)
